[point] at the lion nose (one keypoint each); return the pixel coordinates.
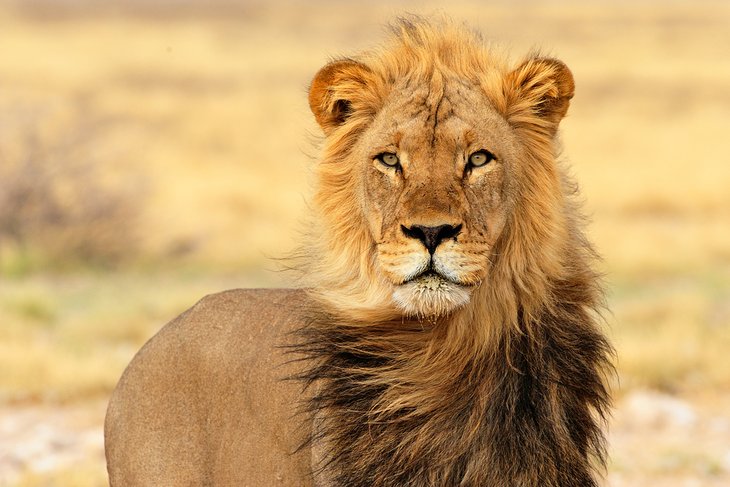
(431, 237)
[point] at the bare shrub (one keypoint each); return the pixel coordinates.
(60, 201)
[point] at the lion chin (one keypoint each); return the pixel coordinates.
(430, 295)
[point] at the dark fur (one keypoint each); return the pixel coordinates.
(536, 403)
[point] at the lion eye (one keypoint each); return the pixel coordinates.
(388, 158)
(481, 158)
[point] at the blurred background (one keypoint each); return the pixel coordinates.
(154, 151)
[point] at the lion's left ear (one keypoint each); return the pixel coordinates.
(539, 93)
(339, 90)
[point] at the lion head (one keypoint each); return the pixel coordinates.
(438, 173)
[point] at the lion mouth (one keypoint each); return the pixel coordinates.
(432, 280)
(430, 293)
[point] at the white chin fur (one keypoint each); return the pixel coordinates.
(430, 295)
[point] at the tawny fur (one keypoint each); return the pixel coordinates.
(507, 390)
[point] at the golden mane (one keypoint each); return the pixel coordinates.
(510, 388)
(339, 247)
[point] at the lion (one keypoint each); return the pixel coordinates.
(449, 329)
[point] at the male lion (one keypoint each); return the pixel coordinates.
(448, 335)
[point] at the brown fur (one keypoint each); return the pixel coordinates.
(507, 389)
(203, 403)
(479, 364)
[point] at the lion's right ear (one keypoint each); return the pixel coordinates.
(337, 91)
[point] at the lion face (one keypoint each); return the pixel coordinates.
(434, 184)
(438, 171)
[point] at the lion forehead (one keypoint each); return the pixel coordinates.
(435, 118)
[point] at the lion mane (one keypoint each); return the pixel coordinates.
(506, 388)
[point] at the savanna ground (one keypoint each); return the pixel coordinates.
(157, 152)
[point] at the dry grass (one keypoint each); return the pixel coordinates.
(209, 111)
(67, 338)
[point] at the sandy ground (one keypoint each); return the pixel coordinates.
(39, 440)
(661, 440)
(655, 439)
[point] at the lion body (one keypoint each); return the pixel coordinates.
(449, 332)
(203, 402)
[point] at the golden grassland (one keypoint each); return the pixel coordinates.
(198, 119)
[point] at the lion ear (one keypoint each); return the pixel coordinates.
(337, 91)
(539, 93)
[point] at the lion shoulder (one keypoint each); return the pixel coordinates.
(190, 383)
